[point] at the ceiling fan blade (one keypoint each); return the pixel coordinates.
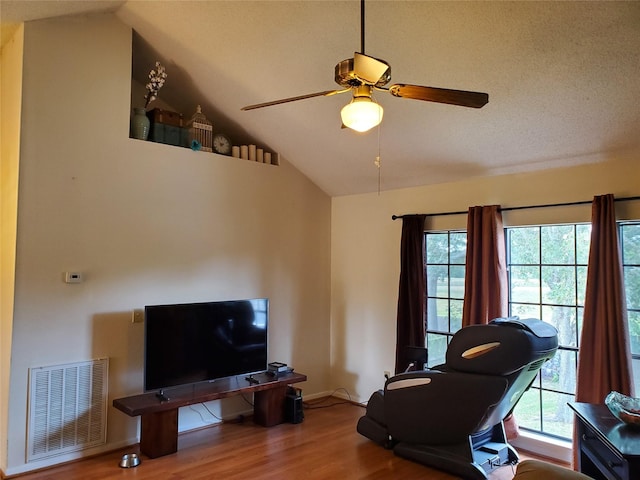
(440, 95)
(326, 93)
(368, 69)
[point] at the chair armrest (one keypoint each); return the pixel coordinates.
(433, 407)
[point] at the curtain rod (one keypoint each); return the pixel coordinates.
(505, 209)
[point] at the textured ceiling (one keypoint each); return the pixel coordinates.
(562, 79)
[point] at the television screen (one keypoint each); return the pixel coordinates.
(196, 342)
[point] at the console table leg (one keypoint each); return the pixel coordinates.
(268, 406)
(159, 433)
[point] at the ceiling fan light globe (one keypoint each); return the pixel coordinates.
(361, 114)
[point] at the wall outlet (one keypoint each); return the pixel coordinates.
(137, 316)
(387, 374)
(73, 277)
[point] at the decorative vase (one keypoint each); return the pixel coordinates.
(140, 124)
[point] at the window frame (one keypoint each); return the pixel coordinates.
(635, 353)
(576, 262)
(439, 337)
(433, 334)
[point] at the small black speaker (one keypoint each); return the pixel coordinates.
(293, 410)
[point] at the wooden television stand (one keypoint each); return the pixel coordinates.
(159, 418)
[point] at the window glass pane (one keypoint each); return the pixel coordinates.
(437, 247)
(559, 285)
(524, 245)
(437, 280)
(458, 248)
(635, 366)
(557, 417)
(583, 240)
(582, 284)
(527, 411)
(455, 315)
(525, 284)
(564, 319)
(457, 282)
(436, 349)
(631, 242)
(634, 334)
(525, 311)
(559, 373)
(558, 244)
(580, 322)
(632, 286)
(438, 314)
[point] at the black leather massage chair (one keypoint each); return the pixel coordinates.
(451, 416)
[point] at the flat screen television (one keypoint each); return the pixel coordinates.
(197, 342)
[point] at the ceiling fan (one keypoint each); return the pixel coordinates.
(363, 74)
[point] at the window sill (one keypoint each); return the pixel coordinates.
(544, 446)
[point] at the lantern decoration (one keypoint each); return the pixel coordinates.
(201, 131)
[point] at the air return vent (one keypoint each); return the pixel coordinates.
(67, 408)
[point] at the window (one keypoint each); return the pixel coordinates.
(547, 280)
(630, 242)
(445, 256)
(547, 268)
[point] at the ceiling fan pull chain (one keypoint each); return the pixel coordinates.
(378, 162)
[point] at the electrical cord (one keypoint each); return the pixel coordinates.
(242, 394)
(245, 399)
(208, 410)
(318, 403)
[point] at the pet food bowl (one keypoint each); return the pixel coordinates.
(624, 408)
(130, 460)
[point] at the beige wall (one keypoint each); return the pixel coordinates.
(145, 224)
(365, 249)
(10, 102)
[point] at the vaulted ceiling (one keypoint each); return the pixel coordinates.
(562, 78)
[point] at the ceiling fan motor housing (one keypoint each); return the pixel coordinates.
(345, 76)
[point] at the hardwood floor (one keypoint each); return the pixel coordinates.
(324, 446)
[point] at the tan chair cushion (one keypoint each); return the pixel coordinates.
(537, 470)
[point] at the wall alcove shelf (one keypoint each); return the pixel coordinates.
(181, 113)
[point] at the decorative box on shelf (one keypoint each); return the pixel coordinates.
(167, 127)
(201, 130)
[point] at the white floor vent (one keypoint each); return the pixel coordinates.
(67, 408)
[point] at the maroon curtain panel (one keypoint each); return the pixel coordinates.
(485, 281)
(411, 291)
(604, 358)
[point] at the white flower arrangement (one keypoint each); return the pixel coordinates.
(157, 77)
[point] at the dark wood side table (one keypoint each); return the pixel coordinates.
(608, 448)
(159, 424)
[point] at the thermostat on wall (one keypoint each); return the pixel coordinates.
(72, 277)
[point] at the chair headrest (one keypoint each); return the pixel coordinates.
(539, 328)
(501, 347)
